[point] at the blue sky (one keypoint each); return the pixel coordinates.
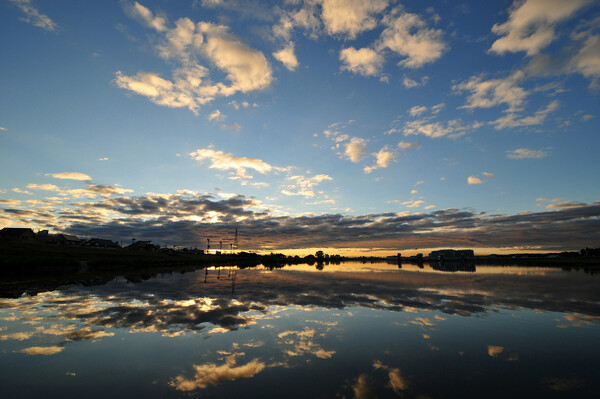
(357, 126)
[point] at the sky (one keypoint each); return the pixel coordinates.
(356, 127)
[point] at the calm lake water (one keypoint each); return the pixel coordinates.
(349, 330)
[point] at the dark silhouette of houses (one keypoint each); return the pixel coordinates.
(101, 243)
(142, 246)
(17, 234)
(67, 239)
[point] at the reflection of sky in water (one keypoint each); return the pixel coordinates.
(298, 334)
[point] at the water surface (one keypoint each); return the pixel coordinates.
(349, 330)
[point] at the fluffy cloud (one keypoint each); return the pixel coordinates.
(382, 159)
(409, 36)
(287, 57)
(474, 180)
(356, 149)
(185, 44)
(530, 26)
(350, 17)
(493, 92)
(364, 61)
(526, 153)
(33, 16)
(216, 116)
(417, 110)
(145, 16)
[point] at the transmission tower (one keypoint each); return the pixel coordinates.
(235, 240)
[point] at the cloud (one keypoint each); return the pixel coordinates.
(287, 57)
(417, 110)
(364, 61)
(3, 129)
(526, 153)
(350, 17)
(301, 185)
(493, 92)
(413, 204)
(488, 175)
(356, 149)
(42, 350)
(474, 180)
(234, 127)
(363, 388)
(409, 36)
(216, 116)
(33, 16)
(185, 45)
(18, 190)
(103, 159)
(145, 16)
(382, 159)
(71, 176)
(211, 374)
(452, 129)
(46, 187)
(403, 145)
(223, 161)
(512, 120)
(107, 191)
(531, 23)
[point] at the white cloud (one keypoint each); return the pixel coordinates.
(33, 16)
(303, 186)
(145, 16)
(474, 180)
(364, 61)
(409, 83)
(406, 145)
(71, 176)
(350, 17)
(234, 127)
(452, 129)
(493, 92)
(526, 153)
(414, 191)
(45, 187)
(382, 159)
(216, 116)
(413, 204)
(530, 26)
(223, 161)
(103, 159)
(20, 191)
(417, 110)
(408, 35)
(356, 149)
(245, 68)
(287, 57)
(488, 175)
(514, 120)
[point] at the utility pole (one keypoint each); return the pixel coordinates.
(207, 245)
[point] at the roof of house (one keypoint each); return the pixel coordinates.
(15, 231)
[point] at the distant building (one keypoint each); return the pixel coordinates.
(142, 246)
(101, 243)
(67, 239)
(451, 254)
(16, 234)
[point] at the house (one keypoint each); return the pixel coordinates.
(101, 243)
(16, 234)
(142, 246)
(67, 239)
